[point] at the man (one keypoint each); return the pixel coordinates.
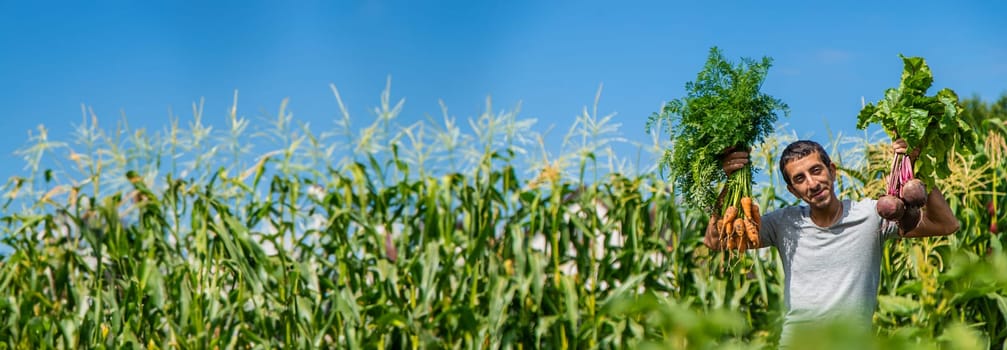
(830, 248)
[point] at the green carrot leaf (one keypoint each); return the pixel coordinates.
(723, 108)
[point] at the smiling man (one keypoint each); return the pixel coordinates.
(831, 248)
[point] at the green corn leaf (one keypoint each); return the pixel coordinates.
(898, 305)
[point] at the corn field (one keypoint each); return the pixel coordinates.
(426, 235)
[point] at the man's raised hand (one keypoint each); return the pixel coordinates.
(733, 160)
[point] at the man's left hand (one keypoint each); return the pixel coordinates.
(900, 146)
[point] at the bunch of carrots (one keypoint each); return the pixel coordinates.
(738, 228)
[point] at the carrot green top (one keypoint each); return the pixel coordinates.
(723, 108)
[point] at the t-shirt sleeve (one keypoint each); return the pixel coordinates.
(768, 231)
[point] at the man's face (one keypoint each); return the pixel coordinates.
(811, 180)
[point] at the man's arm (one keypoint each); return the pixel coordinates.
(712, 239)
(936, 218)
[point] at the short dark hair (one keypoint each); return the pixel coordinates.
(800, 149)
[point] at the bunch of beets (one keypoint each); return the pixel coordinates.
(906, 195)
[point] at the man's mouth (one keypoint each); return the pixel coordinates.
(819, 195)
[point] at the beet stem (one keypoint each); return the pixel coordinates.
(892, 174)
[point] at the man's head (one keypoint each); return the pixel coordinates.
(800, 149)
(809, 173)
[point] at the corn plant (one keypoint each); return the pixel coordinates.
(422, 236)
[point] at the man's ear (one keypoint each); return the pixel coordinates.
(791, 189)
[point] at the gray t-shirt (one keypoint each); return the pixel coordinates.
(830, 271)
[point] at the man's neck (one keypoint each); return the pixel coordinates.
(828, 216)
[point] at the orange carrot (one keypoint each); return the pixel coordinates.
(728, 228)
(739, 232)
(729, 215)
(746, 206)
(740, 243)
(756, 216)
(752, 233)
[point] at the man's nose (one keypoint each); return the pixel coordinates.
(813, 183)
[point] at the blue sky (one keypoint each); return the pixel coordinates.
(144, 58)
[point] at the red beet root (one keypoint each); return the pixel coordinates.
(890, 207)
(914, 193)
(910, 219)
